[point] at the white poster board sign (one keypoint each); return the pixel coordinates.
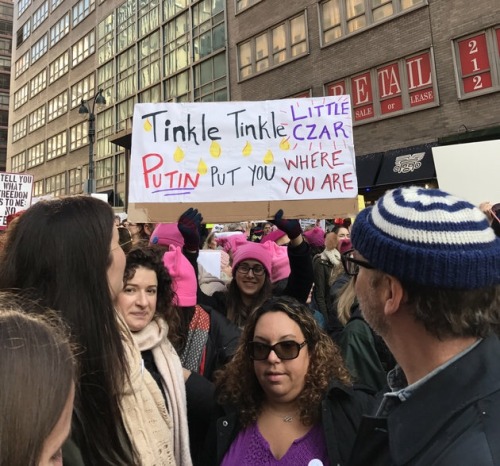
(210, 260)
(469, 171)
(291, 149)
(15, 194)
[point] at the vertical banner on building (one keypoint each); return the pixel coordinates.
(293, 149)
(15, 194)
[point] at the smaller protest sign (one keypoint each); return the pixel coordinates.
(15, 194)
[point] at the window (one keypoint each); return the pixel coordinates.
(149, 60)
(104, 172)
(273, 47)
(242, 4)
(4, 63)
(153, 95)
(124, 112)
(78, 135)
(57, 106)
(38, 188)
(18, 163)
(59, 67)
(83, 49)
(75, 178)
(22, 6)
(23, 32)
(57, 145)
(21, 96)
(39, 49)
(340, 18)
(41, 14)
(5, 27)
(54, 4)
(210, 84)
(176, 44)
(59, 30)
(19, 129)
(7, 10)
(125, 24)
(403, 86)
(22, 64)
(4, 102)
(126, 76)
(82, 90)
(105, 128)
(5, 46)
(477, 60)
(36, 119)
(81, 10)
(172, 7)
(38, 83)
(208, 28)
(56, 185)
(36, 155)
(177, 88)
(148, 16)
(106, 79)
(106, 39)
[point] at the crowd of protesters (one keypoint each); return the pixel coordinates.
(371, 341)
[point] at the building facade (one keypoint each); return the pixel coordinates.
(420, 73)
(6, 15)
(135, 51)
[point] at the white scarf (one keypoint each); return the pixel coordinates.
(332, 256)
(154, 337)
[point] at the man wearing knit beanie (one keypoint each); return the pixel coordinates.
(427, 269)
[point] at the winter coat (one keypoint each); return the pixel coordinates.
(453, 419)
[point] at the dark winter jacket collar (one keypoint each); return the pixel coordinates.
(469, 379)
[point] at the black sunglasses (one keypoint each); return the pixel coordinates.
(351, 265)
(285, 350)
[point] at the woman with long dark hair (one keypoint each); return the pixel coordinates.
(66, 254)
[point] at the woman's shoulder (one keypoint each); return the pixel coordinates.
(357, 396)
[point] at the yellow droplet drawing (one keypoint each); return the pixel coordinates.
(284, 144)
(147, 125)
(247, 150)
(268, 158)
(202, 167)
(215, 149)
(178, 154)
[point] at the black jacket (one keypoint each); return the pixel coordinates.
(341, 410)
(453, 419)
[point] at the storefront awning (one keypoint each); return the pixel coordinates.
(367, 168)
(403, 166)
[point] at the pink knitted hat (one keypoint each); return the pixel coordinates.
(315, 237)
(280, 264)
(256, 251)
(232, 242)
(273, 236)
(183, 276)
(166, 234)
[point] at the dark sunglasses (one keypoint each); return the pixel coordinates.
(351, 265)
(285, 350)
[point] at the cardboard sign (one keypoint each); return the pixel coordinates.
(235, 152)
(15, 194)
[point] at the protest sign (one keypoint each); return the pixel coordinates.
(15, 194)
(267, 152)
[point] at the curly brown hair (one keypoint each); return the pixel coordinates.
(237, 383)
(150, 257)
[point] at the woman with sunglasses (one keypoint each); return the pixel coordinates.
(285, 397)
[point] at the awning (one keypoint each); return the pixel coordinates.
(367, 168)
(403, 166)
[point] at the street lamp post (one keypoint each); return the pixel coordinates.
(84, 109)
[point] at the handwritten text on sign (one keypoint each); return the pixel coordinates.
(15, 194)
(240, 151)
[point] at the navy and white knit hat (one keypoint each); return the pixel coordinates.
(428, 237)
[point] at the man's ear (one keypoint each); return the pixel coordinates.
(394, 294)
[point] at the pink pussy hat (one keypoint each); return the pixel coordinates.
(280, 264)
(166, 234)
(232, 242)
(253, 251)
(273, 236)
(183, 276)
(315, 237)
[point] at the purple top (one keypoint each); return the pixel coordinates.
(249, 448)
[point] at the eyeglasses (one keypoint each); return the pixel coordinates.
(351, 265)
(258, 270)
(285, 350)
